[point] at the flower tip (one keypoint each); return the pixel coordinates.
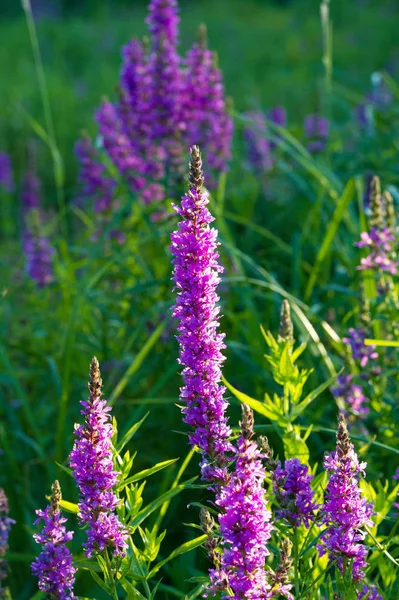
(196, 174)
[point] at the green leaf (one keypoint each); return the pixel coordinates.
(330, 234)
(267, 408)
(70, 507)
(299, 408)
(186, 547)
(295, 447)
(147, 472)
(64, 468)
(384, 343)
(155, 504)
(101, 583)
(129, 434)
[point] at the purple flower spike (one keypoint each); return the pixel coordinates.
(294, 494)
(317, 131)
(380, 243)
(92, 465)
(356, 340)
(369, 593)
(244, 522)
(278, 114)
(258, 144)
(37, 249)
(6, 176)
(54, 566)
(92, 176)
(163, 21)
(345, 512)
(196, 276)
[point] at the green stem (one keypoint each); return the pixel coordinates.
(111, 576)
(296, 562)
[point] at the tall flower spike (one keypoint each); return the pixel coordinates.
(376, 206)
(54, 566)
(93, 470)
(244, 521)
(345, 512)
(286, 330)
(280, 580)
(5, 526)
(6, 176)
(196, 277)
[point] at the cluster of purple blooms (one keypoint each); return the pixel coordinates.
(166, 104)
(37, 249)
(356, 402)
(53, 566)
(294, 494)
(345, 512)
(260, 146)
(92, 466)
(244, 520)
(380, 243)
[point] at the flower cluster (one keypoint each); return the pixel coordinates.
(37, 249)
(316, 131)
(380, 244)
(345, 513)
(355, 401)
(5, 527)
(260, 145)
(369, 593)
(54, 566)
(294, 494)
(244, 520)
(165, 105)
(92, 465)
(356, 340)
(196, 277)
(6, 176)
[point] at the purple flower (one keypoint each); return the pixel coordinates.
(206, 122)
(92, 465)
(294, 494)
(37, 248)
(356, 340)
(165, 105)
(54, 566)
(6, 177)
(345, 512)
(258, 144)
(196, 277)
(317, 131)
(369, 593)
(244, 522)
(5, 527)
(92, 176)
(278, 115)
(380, 243)
(356, 402)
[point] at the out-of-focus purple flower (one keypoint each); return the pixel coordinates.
(294, 493)
(205, 119)
(5, 526)
(278, 114)
(345, 512)
(37, 248)
(245, 524)
(380, 243)
(317, 131)
(92, 465)
(396, 476)
(95, 182)
(356, 402)
(356, 340)
(165, 105)
(369, 593)
(196, 277)
(54, 566)
(258, 143)
(6, 175)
